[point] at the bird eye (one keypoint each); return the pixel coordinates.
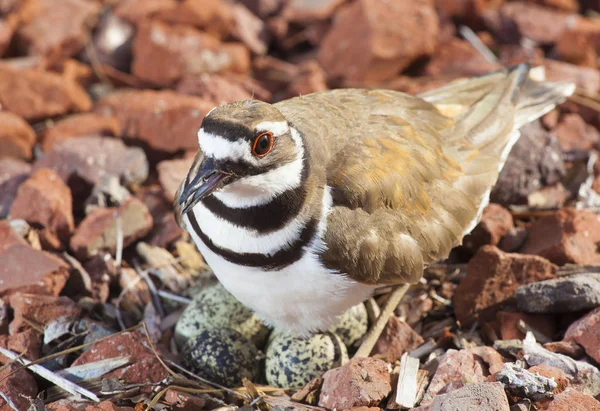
(263, 143)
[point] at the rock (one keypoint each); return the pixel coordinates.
(79, 125)
(222, 88)
(375, 40)
(397, 338)
(492, 278)
(579, 45)
(535, 161)
(310, 79)
(41, 309)
(586, 332)
(164, 54)
(214, 307)
(294, 361)
(457, 57)
(531, 21)
(34, 94)
(495, 223)
(17, 138)
(7, 30)
(145, 367)
(85, 162)
(25, 269)
(513, 240)
(488, 396)
(98, 230)
(549, 197)
(165, 230)
(561, 379)
(360, 382)
(352, 325)
(574, 134)
(67, 405)
(215, 17)
(59, 28)
(566, 5)
(12, 173)
(17, 384)
(44, 201)
(112, 40)
(583, 77)
(522, 383)
(568, 348)
(136, 11)
(249, 29)
(222, 355)
(573, 400)
(162, 120)
(509, 321)
(183, 401)
(263, 8)
(567, 236)
(562, 295)
(511, 54)
(456, 367)
(27, 342)
(171, 173)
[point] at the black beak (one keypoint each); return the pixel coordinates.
(207, 180)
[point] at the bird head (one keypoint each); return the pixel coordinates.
(248, 153)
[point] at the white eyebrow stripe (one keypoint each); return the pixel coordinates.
(276, 127)
(220, 148)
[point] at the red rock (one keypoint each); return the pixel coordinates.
(574, 134)
(17, 138)
(145, 367)
(540, 24)
(586, 332)
(222, 88)
(360, 382)
(17, 387)
(458, 58)
(573, 400)
(66, 405)
(375, 40)
(40, 309)
(474, 365)
(59, 29)
(182, 401)
(44, 201)
(496, 221)
(509, 321)
(511, 54)
(583, 77)
(28, 343)
(567, 236)
(35, 94)
(397, 338)
(164, 54)
(307, 10)
(263, 8)
(310, 79)
(25, 269)
(7, 30)
(561, 379)
(492, 278)
(485, 396)
(215, 17)
(171, 173)
(580, 44)
(78, 125)
(98, 230)
(136, 11)
(84, 162)
(565, 5)
(568, 348)
(513, 239)
(249, 29)
(163, 120)
(165, 230)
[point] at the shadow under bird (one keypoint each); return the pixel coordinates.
(304, 207)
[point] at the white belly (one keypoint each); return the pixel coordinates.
(301, 297)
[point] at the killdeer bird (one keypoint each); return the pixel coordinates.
(302, 208)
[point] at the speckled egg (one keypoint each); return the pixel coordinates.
(352, 325)
(222, 355)
(293, 361)
(214, 307)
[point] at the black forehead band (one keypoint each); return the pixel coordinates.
(227, 129)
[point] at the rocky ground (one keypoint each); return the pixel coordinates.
(100, 102)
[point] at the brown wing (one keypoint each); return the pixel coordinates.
(409, 182)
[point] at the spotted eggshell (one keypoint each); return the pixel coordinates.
(294, 361)
(214, 307)
(352, 325)
(223, 356)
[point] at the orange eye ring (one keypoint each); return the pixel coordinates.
(262, 145)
